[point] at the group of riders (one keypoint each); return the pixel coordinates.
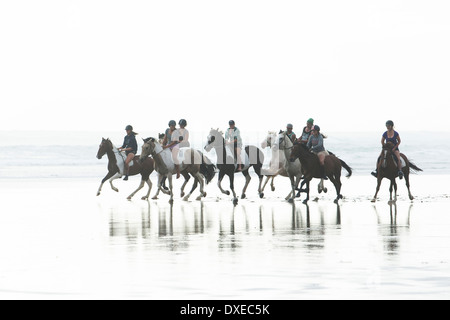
(311, 137)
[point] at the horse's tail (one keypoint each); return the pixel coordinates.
(414, 167)
(207, 169)
(347, 167)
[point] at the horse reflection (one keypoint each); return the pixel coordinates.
(392, 232)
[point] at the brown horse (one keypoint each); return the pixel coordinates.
(116, 168)
(388, 168)
(312, 168)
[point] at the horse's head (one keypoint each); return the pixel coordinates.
(298, 150)
(215, 139)
(284, 142)
(147, 149)
(269, 142)
(104, 147)
(388, 149)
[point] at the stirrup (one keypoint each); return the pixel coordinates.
(126, 178)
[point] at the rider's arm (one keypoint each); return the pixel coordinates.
(398, 143)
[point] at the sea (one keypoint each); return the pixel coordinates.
(72, 154)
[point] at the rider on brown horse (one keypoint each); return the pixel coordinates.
(394, 137)
(130, 147)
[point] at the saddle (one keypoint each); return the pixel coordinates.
(245, 161)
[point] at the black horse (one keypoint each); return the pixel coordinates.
(227, 166)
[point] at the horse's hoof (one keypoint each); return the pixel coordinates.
(298, 195)
(336, 201)
(98, 194)
(235, 201)
(291, 200)
(261, 195)
(373, 200)
(273, 189)
(227, 193)
(155, 198)
(144, 198)
(243, 196)
(199, 198)
(116, 190)
(204, 195)
(186, 198)
(129, 198)
(182, 194)
(325, 190)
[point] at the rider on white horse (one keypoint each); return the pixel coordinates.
(233, 141)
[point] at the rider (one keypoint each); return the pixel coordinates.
(307, 131)
(233, 137)
(290, 133)
(394, 137)
(130, 147)
(315, 144)
(167, 142)
(180, 139)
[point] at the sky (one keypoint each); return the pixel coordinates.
(101, 65)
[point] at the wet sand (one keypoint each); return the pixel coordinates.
(60, 241)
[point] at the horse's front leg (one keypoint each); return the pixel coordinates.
(307, 191)
(149, 183)
(199, 178)
(293, 186)
(139, 188)
(186, 180)
(235, 199)
(115, 177)
(378, 190)
(247, 182)
(170, 187)
(160, 180)
(219, 184)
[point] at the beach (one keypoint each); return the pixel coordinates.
(60, 241)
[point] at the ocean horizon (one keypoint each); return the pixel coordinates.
(72, 154)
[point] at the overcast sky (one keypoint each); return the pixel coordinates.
(100, 65)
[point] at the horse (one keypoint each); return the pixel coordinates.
(116, 168)
(312, 168)
(276, 166)
(227, 165)
(279, 160)
(388, 168)
(190, 164)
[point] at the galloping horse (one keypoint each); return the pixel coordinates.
(190, 160)
(281, 148)
(388, 168)
(227, 165)
(116, 165)
(311, 165)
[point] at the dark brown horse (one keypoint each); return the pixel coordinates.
(312, 168)
(388, 168)
(116, 161)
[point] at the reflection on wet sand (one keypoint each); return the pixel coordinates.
(391, 233)
(175, 226)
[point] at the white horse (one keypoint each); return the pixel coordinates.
(276, 166)
(190, 161)
(293, 169)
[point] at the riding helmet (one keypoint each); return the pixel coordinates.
(129, 128)
(182, 122)
(311, 120)
(317, 128)
(172, 123)
(290, 126)
(231, 123)
(390, 123)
